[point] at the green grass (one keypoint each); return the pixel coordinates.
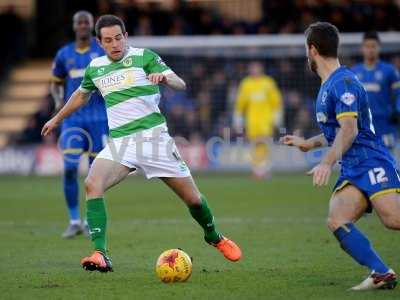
(287, 251)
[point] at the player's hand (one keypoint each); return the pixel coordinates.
(321, 174)
(49, 126)
(157, 78)
(293, 140)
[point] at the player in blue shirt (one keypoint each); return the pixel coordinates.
(382, 82)
(85, 129)
(368, 175)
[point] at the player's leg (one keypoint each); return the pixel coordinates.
(384, 188)
(97, 139)
(71, 142)
(260, 163)
(103, 175)
(346, 207)
(197, 203)
(387, 206)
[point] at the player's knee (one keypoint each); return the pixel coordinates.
(192, 199)
(392, 222)
(334, 223)
(92, 186)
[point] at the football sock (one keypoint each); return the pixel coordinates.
(96, 216)
(71, 189)
(75, 222)
(203, 215)
(260, 163)
(356, 244)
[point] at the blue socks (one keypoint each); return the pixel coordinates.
(356, 244)
(71, 193)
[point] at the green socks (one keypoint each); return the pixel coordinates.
(97, 220)
(96, 216)
(203, 215)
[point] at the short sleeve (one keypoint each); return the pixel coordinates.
(152, 63)
(346, 94)
(87, 84)
(59, 70)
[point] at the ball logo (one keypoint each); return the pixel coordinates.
(127, 62)
(348, 98)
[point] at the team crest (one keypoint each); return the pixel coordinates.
(348, 98)
(127, 62)
(100, 71)
(321, 117)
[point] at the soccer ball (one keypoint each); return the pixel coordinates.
(174, 265)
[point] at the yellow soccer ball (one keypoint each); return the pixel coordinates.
(173, 265)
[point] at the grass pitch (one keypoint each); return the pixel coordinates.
(280, 224)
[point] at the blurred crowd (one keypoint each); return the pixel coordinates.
(12, 30)
(292, 16)
(205, 109)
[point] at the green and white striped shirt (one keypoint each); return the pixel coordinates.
(131, 99)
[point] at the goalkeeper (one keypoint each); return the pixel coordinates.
(258, 110)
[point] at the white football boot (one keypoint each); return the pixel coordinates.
(387, 281)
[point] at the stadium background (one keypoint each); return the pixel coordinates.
(213, 42)
(209, 43)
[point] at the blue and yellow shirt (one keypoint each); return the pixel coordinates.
(69, 67)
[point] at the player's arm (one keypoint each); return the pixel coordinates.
(240, 107)
(171, 80)
(305, 145)
(59, 73)
(77, 100)
(158, 72)
(345, 94)
(57, 92)
(395, 86)
(276, 103)
(345, 137)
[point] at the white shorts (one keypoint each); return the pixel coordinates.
(156, 155)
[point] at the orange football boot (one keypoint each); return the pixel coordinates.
(229, 249)
(98, 261)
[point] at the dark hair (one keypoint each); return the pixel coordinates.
(324, 37)
(371, 35)
(108, 21)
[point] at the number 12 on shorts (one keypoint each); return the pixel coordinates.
(377, 175)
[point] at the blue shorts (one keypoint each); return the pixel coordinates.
(79, 137)
(373, 178)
